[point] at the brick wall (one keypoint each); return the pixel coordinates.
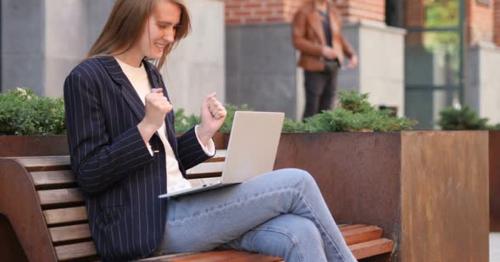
(480, 21)
(496, 21)
(415, 13)
(355, 10)
(483, 20)
(480, 18)
(240, 12)
(414, 17)
(254, 11)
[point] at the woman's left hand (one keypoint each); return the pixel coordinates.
(213, 114)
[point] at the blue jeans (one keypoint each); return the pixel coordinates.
(281, 213)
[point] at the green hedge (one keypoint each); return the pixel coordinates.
(355, 114)
(22, 112)
(463, 119)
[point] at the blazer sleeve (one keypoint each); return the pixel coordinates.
(97, 161)
(300, 42)
(191, 152)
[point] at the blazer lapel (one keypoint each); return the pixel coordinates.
(314, 20)
(334, 23)
(132, 98)
(127, 90)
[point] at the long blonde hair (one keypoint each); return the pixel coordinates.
(126, 24)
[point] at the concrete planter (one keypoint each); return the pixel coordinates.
(33, 145)
(428, 190)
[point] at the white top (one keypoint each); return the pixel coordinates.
(138, 77)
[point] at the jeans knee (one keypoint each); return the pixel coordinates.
(298, 229)
(299, 179)
(273, 241)
(289, 236)
(302, 175)
(305, 230)
(296, 172)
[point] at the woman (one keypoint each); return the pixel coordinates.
(124, 153)
(317, 36)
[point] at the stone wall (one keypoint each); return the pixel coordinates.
(43, 40)
(482, 92)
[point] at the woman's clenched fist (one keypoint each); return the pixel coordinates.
(157, 108)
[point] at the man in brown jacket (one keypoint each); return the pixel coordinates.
(317, 35)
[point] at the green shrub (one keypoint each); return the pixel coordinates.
(291, 126)
(462, 119)
(228, 122)
(354, 114)
(22, 112)
(183, 123)
(355, 102)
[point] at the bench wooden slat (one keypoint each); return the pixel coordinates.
(205, 170)
(74, 251)
(220, 156)
(53, 178)
(372, 248)
(67, 233)
(43, 163)
(60, 196)
(212, 167)
(346, 227)
(65, 215)
(362, 234)
(215, 256)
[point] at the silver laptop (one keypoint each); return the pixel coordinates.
(251, 150)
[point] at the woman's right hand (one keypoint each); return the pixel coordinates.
(157, 107)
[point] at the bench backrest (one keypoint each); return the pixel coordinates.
(62, 205)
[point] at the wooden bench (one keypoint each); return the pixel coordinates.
(46, 211)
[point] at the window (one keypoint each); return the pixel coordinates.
(394, 13)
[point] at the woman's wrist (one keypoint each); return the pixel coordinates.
(146, 130)
(204, 134)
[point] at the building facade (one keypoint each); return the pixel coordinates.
(416, 55)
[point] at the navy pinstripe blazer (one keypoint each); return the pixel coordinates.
(120, 179)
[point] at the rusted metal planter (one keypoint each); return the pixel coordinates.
(494, 156)
(54, 145)
(33, 145)
(428, 190)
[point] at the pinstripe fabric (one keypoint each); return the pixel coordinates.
(121, 181)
